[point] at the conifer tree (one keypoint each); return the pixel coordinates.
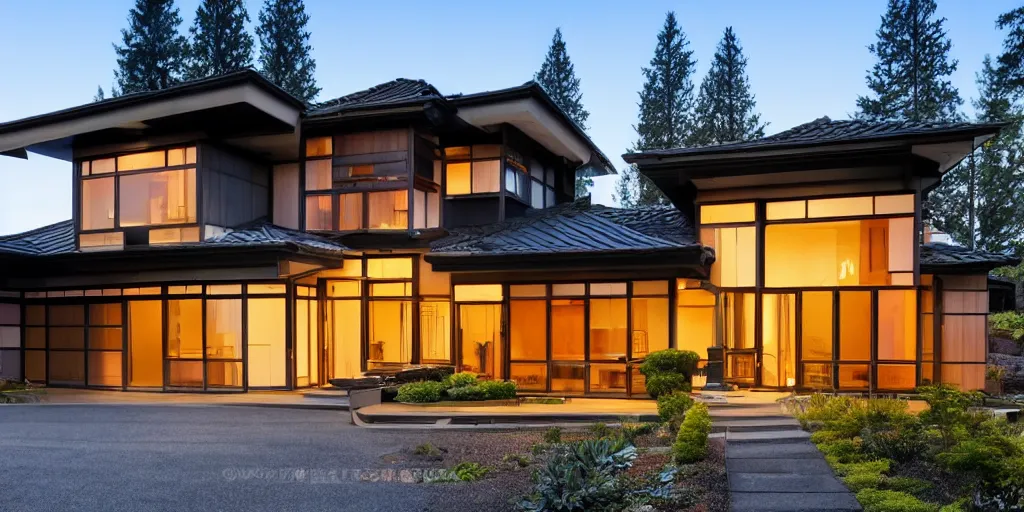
(99, 94)
(220, 43)
(557, 76)
(1011, 61)
(910, 80)
(977, 203)
(152, 50)
(285, 50)
(666, 109)
(725, 106)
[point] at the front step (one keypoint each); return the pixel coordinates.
(777, 436)
(762, 424)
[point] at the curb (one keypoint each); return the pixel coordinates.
(265, 405)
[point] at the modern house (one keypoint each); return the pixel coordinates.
(226, 237)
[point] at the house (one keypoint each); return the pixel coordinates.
(226, 237)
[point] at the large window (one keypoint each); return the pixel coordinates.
(361, 181)
(473, 169)
(390, 315)
(155, 188)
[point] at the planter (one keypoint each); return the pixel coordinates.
(468, 403)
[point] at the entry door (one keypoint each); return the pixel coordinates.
(480, 339)
(344, 353)
(778, 340)
(145, 344)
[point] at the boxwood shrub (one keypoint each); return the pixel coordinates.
(420, 392)
(692, 441)
(669, 370)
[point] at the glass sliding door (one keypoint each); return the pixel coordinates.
(778, 340)
(480, 339)
(145, 344)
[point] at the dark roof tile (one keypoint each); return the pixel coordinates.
(401, 91)
(936, 257)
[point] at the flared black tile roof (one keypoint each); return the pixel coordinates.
(398, 92)
(936, 257)
(574, 228)
(59, 238)
(824, 131)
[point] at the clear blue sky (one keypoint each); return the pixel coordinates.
(807, 58)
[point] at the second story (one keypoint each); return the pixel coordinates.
(387, 167)
(827, 204)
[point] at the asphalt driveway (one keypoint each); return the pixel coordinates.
(131, 457)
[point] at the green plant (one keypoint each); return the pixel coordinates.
(673, 406)
(668, 370)
(470, 471)
(553, 435)
(581, 476)
(427, 449)
(420, 392)
(457, 380)
(875, 500)
(664, 383)
(899, 437)
(873, 466)
(995, 373)
(959, 505)
(631, 430)
(498, 389)
(947, 410)
(515, 459)
(600, 430)
(466, 393)
(1010, 321)
(860, 481)
(692, 440)
(906, 484)
(843, 451)
(14, 392)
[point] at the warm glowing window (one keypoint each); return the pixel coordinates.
(265, 289)
(318, 212)
(695, 322)
(390, 289)
(897, 325)
(735, 255)
(139, 161)
(854, 326)
(390, 332)
(388, 210)
(816, 329)
(318, 175)
(479, 171)
(266, 334)
(567, 329)
(480, 339)
(527, 290)
(650, 287)
(224, 329)
(389, 268)
(100, 241)
(650, 325)
(528, 330)
(604, 289)
(738, 320)
(568, 289)
(608, 328)
(343, 288)
(318, 146)
(173, 235)
(840, 207)
(478, 293)
(167, 197)
(727, 213)
(840, 253)
(98, 204)
(886, 205)
(185, 329)
(786, 210)
(435, 331)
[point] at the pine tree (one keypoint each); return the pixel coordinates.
(99, 94)
(910, 80)
(725, 106)
(152, 50)
(976, 204)
(285, 50)
(666, 109)
(558, 78)
(219, 42)
(1011, 62)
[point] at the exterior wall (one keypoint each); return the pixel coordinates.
(962, 342)
(235, 189)
(286, 195)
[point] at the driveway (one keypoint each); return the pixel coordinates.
(135, 457)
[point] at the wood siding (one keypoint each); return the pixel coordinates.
(234, 188)
(286, 195)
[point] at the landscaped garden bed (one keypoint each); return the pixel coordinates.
(951, 456)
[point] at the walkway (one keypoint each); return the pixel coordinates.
(773, 466)
(309, 399)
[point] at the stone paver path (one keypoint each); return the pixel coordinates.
(773, 467)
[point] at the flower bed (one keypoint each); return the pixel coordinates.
(459, 387)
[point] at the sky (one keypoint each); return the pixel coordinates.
(806, 59)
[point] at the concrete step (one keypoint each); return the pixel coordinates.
(790, 502)
(781, 449)
(782, 482)
(755, 424)
(766, 436)
(779, 466)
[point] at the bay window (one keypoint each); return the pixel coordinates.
(154, 188)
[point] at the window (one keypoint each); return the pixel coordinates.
(817, 326)
(388, 210)
(318, 212)
(854, 326)
(840, 253)
(567, 329)
(147, 195)
(695, 322)
(727, 213)
(735, 255)
(528, 330)
(738, 320)
(608, 329)
(897, 326)
(435, 331)
(473, 169)
(517, 176)
(10, 341)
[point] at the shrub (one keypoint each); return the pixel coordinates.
(874, 466)
(692, 441)
(498, 389)
(906, 484)
(553, 435)
(673, 406)
(843, 451)
(898, 437)
(985, 456)
(874, 500)
(665, 383)
(860, 481)
(600, 430)
(470, 471)
(515, 459)
(631, 431)
(580, 477)
(825, 436)
(420, 392)
(466, 393)
(458, 380)
(1010, 321)
(947, 410)
(668, 370)
(427, 449)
